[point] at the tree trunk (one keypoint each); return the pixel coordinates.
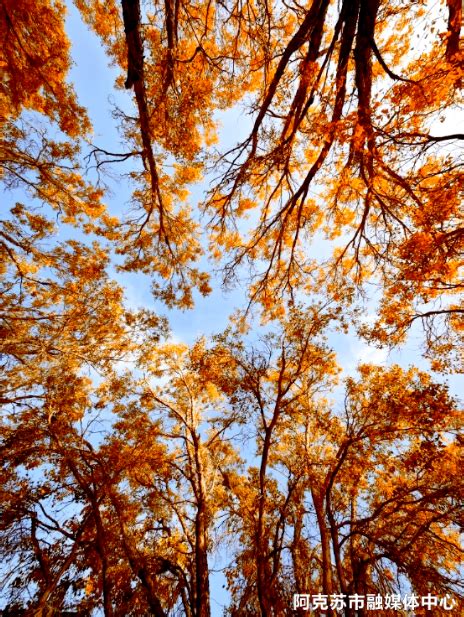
(324, 533)
(202, 598)
(201, 564)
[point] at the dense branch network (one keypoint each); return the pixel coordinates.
(131, 463)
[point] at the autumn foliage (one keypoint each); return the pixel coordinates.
(133, 464)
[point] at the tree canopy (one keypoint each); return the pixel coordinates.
(131, 461)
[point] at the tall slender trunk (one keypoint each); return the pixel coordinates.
(201, 563)
(358, 565)
(202, 594)
(261, 542)
(335, 545)
(324, 534)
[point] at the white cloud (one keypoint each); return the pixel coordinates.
(371, 355)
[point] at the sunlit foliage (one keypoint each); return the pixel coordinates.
(130, 461)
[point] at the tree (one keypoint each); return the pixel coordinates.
(64, 331)
(379, 483)
(191, 412)
(270, 383)
(77, 551)
(358, 502)
(130, 461)
(342, 142)
(385, 181)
